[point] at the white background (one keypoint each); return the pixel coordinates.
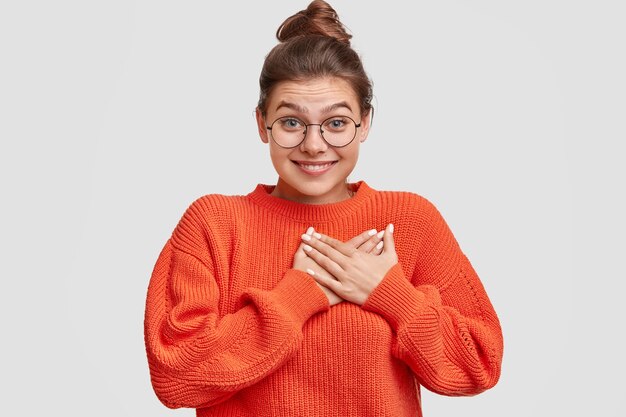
(116, 115)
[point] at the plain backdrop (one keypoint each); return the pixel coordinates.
(116, 115)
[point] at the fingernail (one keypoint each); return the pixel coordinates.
(380, 234)
(372, 232)
(310, 271)
(380, 245)
(391, 227)
(306, 237)
(317, 235)
(309, 231)
(307, 248)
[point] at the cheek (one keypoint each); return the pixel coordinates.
(279, 156)
(352, 153)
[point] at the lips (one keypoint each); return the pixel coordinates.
(314, 168)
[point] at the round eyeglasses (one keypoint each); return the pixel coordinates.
(337, 131)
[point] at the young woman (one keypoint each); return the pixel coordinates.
(316, 296)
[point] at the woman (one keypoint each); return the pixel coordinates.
(249, 315)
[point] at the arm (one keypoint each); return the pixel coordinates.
(447, 330)
(199, 358)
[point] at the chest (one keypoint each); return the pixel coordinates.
(258, 258)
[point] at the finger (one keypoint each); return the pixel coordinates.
(388, 242)
(370, 245)
(361, 238)
(332, 257)
(309, 232)
(379, 248)
(324, 261)
(328, 244)
(328, 282)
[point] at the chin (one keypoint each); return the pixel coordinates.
(318, 192)
(301, 185)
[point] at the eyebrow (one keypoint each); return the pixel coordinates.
(301, 109)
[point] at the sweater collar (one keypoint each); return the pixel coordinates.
(311, 212)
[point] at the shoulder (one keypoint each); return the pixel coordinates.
(409, 202)
(207, 217)
(217, 211)
(213, 206)
(410, 210)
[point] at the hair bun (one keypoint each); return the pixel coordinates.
(319, 18)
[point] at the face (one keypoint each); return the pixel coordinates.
(313, 101)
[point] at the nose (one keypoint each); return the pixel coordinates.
(313, 142)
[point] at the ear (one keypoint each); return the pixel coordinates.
(260, 121)
(366, 122)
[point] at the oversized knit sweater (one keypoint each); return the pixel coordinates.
(232, 330)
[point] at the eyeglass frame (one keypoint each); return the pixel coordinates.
(356, 126)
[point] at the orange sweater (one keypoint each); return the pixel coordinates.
(232, 330)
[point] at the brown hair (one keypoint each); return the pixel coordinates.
(314, 43)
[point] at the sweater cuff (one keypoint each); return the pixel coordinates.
(395, 298)
(300, 296)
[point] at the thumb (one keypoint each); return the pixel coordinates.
(388, 243)
(300, 250)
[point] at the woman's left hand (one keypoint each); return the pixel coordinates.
(356, 273)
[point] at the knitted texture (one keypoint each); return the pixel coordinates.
(232, 330)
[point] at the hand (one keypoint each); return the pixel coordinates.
(367, 242)
(354, 274)
(303, 263)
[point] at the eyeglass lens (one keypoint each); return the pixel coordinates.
(290, 132)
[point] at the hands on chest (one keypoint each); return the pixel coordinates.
(349, 270)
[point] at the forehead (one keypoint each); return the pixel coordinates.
(312, 95)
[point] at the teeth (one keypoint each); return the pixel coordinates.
(315, 167)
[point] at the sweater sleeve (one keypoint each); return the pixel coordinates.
(446, 328)
(199, 358)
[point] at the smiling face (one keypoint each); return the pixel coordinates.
(313, 101)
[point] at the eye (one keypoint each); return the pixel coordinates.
(336, 123)
(291, 123)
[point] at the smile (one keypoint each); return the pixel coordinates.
(315, 168)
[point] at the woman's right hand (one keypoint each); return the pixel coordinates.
(368, 242)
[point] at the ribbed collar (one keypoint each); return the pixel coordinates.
(311, 212)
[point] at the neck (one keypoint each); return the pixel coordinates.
(287, 192)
